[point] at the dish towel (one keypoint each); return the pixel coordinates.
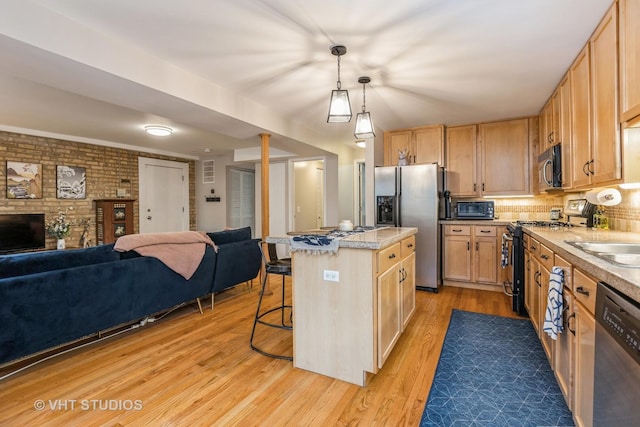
(553, 315)
(314, 244)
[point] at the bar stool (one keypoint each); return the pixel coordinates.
(283, 268)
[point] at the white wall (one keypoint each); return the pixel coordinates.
(212, 216)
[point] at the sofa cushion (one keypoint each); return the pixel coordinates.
(38, 262)
(230, 236)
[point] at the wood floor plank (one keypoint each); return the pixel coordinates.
(198, 369)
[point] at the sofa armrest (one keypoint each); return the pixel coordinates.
(237, 262)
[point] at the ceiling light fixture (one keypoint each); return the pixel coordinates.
(158, 130)
(364, 125)
(361, 143)
(339, 106)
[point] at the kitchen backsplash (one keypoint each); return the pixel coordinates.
(623, 217)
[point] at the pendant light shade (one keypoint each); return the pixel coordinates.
(364, 124)
(339, 105)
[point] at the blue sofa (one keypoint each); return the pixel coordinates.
(56, 297)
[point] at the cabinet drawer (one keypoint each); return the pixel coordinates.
(408, 246)
(545, 255)
(388, 257)
(487, 231)
(457, 230)
(534, 247)
(584, 290)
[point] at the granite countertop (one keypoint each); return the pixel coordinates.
(375, 239)
(624, 279)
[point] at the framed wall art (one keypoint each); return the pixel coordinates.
(24, 180)
(70, 182)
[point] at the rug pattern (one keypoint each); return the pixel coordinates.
(493, 372)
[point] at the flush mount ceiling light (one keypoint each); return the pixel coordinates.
(364, 125)
(361, 143)
(339, 106)
(158, 130)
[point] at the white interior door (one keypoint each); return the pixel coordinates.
(164, 195)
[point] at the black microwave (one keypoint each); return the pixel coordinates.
(475, 209)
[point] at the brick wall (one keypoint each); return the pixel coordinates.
(107, 169)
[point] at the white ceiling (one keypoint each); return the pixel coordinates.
(221, 72)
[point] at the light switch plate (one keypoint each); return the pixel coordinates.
(331, 275)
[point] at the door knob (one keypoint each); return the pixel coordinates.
(149, 217)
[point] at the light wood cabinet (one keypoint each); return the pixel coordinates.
(504, 155)
(461, 161)
(629, 42)
(585, 347)
(595, 151)
(389, 300)
(564, 116)
(408, 279)
(565, 344)
(114, 218)
(471, 253)
(550, 123)
(423, 144)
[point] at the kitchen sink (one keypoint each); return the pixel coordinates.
(626, 254)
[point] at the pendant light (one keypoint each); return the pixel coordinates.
(339, 106)
(364, 125)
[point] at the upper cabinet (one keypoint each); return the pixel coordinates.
(504, 156)
(564, 103)
(488, 159)
(629, 32)
(550, 123)
(422, 145)
(462, 160)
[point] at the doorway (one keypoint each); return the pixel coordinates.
(164, 195)
(308, 183)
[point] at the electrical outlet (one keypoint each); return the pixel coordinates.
(330, 275)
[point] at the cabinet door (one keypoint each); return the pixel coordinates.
(505, 157)
(486, 259)
(397, 141)
(389, 302)
(565, 348)
(584, 366)
(547, 342)
(545, 127)
(461, 160)
(629, 58)
(429, 145)
(408, 288)
(457, 258)
(565, 130)
(528, 283)
(605, 139)
(580, 119)
(534, 313)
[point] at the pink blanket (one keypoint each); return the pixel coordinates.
(181, 251)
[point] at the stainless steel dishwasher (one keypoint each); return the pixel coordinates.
(617, 359)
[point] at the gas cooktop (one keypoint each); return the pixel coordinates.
(551, 224)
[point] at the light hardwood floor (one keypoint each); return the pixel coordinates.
(190, 369)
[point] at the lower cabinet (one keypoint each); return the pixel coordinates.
(396, 293)
(472, 253)
(565, 344)
(585, 294)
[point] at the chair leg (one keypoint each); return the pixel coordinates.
(199, 305)
(212, 301)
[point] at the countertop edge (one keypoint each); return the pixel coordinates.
(356, 241)
(616, 276)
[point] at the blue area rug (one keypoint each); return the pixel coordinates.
(493, 372)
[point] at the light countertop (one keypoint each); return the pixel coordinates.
(375, 239)
(624, 279)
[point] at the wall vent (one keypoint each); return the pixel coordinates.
(208, 172)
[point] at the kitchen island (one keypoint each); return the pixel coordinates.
(350, 308)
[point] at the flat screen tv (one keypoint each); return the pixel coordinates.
(21, 232)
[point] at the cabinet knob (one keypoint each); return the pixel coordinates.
(544, 256)
(392, 256)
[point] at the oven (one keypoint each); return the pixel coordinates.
(512, 259)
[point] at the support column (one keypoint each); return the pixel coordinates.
(264, 196)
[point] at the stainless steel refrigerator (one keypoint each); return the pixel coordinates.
(411, 196)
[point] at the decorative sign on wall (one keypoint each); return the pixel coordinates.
(24, 180)
(71, 182)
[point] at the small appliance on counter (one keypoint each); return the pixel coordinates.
(476, 209)
(579, 212)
